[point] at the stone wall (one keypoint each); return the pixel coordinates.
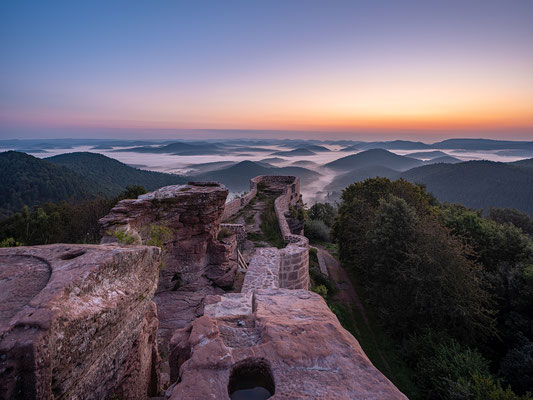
(294, 266)
(78, 322)
(238, 229)
(293, 259)
(294, 263)
(234, 206)
(184, 220)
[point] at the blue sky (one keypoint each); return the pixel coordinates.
(352, 67)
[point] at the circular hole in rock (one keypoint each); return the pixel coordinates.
(251, 379)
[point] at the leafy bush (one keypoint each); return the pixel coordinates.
(158, 235)
(518, 218)
(324, 212)
(344, 316)
(316, 230)
(517, 367)
(321, 290)
(123, 237)
(9, 242)
(483, 387)
(270, 226)
(319, 279)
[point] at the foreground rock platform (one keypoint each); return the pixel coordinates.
(289, 337)
(78, 322)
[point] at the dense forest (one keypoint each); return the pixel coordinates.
(478, 184)
(29, 181)
(61, 222)
(451, 289)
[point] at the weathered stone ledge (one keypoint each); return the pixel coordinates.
(290, 333)
(80, 324)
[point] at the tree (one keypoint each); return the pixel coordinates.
(324, 212)
(513, 216)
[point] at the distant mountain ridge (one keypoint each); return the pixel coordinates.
(236, 177)
(482, 144)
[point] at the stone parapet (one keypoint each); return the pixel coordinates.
(292, 261)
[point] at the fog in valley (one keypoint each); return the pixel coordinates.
(210, 156)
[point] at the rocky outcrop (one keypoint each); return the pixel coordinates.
(288, 341)
(78, 322)
(184, 220)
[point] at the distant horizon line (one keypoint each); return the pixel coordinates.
(166, 139)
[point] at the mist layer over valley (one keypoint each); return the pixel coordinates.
(324, 167)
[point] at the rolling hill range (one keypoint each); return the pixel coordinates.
(482, 144)
(478, 184)
(178, 148)
(27, 180)
(236, 177)
(395, 145)
(374, 157)
(112, 175)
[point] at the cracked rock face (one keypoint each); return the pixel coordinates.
(184, 220)
(291, 334)
(78, 322)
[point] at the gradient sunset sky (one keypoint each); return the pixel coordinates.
(356, 69)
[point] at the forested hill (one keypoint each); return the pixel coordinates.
(237, 177)
(112, 175)
(478, 184)
(30, 181)
(27, 180)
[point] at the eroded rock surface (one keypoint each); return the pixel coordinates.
(290, 334)
(183, 219)
(78, 322)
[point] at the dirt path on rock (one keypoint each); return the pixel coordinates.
(347, 295)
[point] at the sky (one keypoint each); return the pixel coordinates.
(422, 70)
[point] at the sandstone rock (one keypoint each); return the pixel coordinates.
(77, 322)
(184, 220)
(176, 309)
(289, 336)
